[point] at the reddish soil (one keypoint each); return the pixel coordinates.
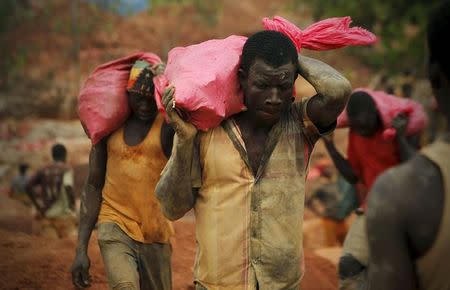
(31, 262)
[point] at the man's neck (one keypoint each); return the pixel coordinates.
(135, 119)
(248, 121)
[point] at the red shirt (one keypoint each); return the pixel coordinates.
(370, 156)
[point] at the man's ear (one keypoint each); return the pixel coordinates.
(242, 77)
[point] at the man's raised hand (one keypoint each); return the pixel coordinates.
(183, 129)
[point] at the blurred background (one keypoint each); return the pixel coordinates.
(49, 47)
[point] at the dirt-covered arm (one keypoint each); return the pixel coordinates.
(34, 181)
(342, 164)
(174, 189)
(406, 147)
(333, 91)
(91, 199)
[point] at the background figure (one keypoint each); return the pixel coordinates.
(332, 199)
(51, 191)
(19, 185)
(408, 218)
(368, 155)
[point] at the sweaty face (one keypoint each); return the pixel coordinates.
(144, 107)
(268, 90)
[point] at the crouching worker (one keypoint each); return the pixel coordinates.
(246, 178)
(51, 190)
(133, 234)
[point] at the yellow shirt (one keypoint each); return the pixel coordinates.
(128, 194)
(249, 228)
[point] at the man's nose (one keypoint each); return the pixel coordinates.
(274, 98)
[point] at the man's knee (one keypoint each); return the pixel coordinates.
(349, 267)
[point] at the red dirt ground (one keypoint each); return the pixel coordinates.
(32, 262)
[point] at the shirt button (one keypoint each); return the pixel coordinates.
(255, 261)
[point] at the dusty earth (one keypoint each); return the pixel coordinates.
(28, 261)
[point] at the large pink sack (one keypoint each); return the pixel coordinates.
(205, 75)
(103, 102)
(205, 79)
(389, 106)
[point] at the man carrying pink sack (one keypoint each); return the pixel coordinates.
(124, 166)
(383, 133)
(246, 178)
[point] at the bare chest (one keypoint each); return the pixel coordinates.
(255, 144)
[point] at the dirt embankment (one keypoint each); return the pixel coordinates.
(52, 52)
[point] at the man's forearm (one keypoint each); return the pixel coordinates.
(342, 165)
(174, 189)
(333, 90)
(91, 200)
(406, 149)
(30, 192)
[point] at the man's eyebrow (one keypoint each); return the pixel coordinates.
(266, 75)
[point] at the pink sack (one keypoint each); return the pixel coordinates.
(207, 90)
(389, 106)
(205, 79)
(103, 102)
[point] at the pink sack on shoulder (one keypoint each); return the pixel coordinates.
(205, 79)
(389, 106)
(103, 102)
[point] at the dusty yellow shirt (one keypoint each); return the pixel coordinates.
(249, 228)
(128, 194)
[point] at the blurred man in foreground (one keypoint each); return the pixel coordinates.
(408, 216)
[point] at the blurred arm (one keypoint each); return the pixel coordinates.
(343, 165)
(32, 183)
(391, 266)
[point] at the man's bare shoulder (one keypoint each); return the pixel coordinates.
(409, 198)
(413, 178)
